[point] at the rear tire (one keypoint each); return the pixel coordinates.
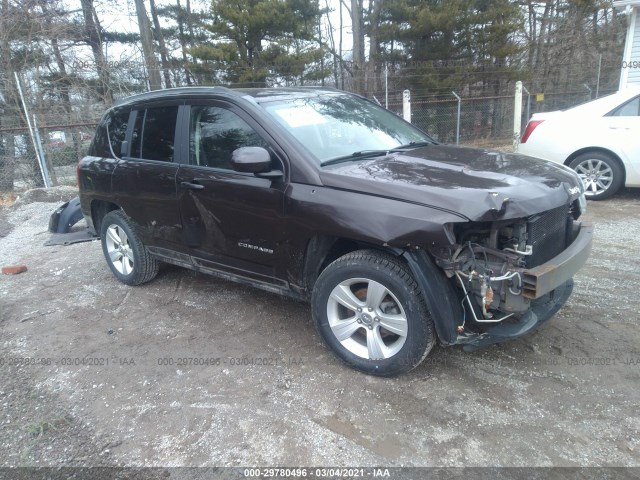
(370, 311)
(125, 253)
(601, 174)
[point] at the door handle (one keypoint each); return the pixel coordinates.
(191, 186)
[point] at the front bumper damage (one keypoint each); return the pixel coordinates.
(542, 309)
(545, 288)
(547, 277)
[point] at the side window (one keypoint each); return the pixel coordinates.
(153, 133)
(100, 144)
(118, 129)
(629, 109)
(136, 135)
(215, 133)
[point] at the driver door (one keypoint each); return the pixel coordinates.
(232, 222)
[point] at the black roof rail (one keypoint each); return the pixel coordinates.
(171, 92)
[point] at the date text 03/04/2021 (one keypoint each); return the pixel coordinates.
(324, 472)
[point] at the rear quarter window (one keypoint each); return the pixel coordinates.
(118, 129)
(100, 144)
(628, 109)
(110, 133)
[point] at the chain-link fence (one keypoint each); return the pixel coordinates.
(43, 134)
(59, 147)
(479, 118)
(483, 120)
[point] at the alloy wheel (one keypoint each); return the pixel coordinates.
(596, 175)
(367, 318)
(119, 249)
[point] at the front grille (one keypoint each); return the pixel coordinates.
(547, 234)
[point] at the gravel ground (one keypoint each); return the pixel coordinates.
(189, 370)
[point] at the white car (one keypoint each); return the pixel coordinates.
(600, 140)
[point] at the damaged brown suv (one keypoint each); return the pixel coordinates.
(398, 242)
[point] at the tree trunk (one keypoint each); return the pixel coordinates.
(92, 37)
(190, 24)
(340, 49)
(183, 44)
(65, 84)
(332, 42)
(164, 56)
(7, 149)
(533, 34)
(374, 46)
(322, 50)
(9, 116)
(155, 83)
(358, 46)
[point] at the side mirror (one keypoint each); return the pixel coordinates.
(251, 160)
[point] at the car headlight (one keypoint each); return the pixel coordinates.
(582, 201)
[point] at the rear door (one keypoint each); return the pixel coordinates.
(233, 222)
(144, 181)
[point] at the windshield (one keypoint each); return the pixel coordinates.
(333, 126)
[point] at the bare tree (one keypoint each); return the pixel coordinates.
(373, 65)
(332, 42)
(357, 20)
(93, 38)
(159, 36)
(146, 39)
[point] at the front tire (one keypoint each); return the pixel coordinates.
(369, 310)
(601, 174)
(125, 253)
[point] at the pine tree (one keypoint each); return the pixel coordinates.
(260, 39)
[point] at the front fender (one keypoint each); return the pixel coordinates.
(441, 297)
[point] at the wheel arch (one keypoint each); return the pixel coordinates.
(442, 299)
(440, 295)
(602, 150)
(322, 250)
(125, 253)
(99, 208)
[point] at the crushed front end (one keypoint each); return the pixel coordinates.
(514, 274)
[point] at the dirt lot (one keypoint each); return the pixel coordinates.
(169, 374)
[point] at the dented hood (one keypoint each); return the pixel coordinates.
(479, 184)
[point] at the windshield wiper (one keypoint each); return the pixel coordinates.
(415, 145)
(373, 153)
(356, 155)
